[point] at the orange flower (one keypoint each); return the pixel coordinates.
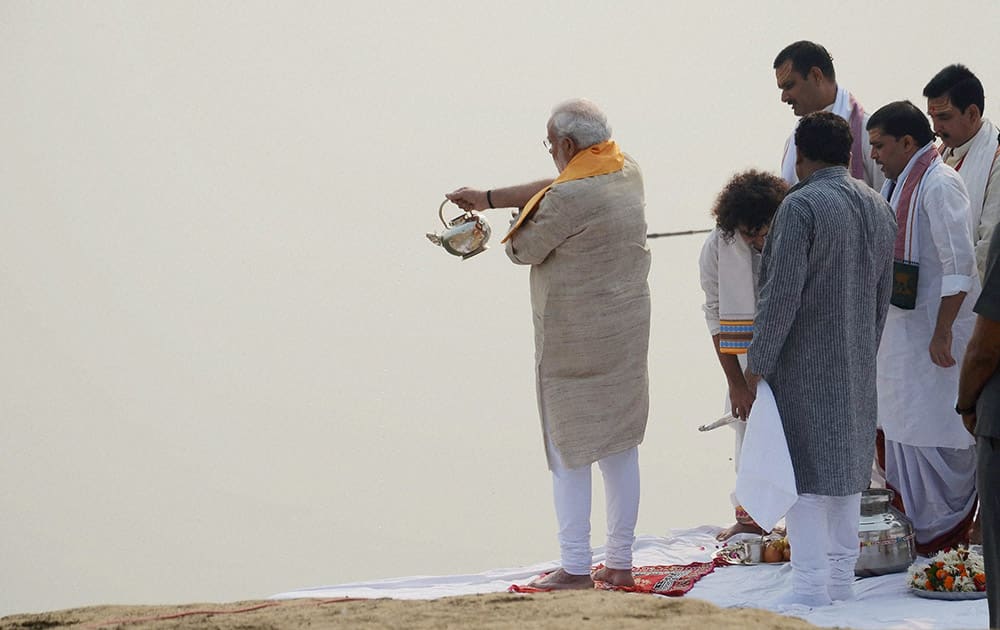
(928, 586)
(940, 574)
(940, 565)
(949, 582)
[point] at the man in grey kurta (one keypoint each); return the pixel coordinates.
(825, 283)
(584, 236)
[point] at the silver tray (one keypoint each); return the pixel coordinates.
(744, 552)
(951, 595)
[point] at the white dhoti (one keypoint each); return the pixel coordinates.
(937, 486)
(572, 493)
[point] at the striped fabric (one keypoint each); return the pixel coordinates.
(825, 280)
(735, 335)
(907, 246)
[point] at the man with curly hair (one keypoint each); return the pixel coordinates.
(729, 264)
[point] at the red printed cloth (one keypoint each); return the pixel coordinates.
(664, 579)
(528, 588)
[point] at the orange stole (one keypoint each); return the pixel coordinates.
(599, 159)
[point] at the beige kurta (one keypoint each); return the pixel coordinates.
(586, 245)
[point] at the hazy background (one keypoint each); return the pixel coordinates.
(232, 365)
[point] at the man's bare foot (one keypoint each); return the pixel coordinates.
(739, 528)
(559, 580)
(614, 577)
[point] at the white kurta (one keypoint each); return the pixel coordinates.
(916, 398)
(708, 264)
(586, 245)
(841, 106)
(976, 162)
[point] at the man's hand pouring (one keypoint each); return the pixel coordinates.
(469, 199)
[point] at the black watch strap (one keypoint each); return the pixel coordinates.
(964, 412)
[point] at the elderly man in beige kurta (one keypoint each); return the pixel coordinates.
(584, 237)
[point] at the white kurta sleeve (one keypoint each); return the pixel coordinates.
(989, 218)
(945, 207)
(708, 264)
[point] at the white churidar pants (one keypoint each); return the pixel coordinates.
(823, 533)
(572, 492)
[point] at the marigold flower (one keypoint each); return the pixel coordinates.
(950, 571)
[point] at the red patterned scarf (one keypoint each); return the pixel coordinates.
(907, 247)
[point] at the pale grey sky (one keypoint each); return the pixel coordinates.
(232, 364)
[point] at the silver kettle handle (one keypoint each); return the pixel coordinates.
(467, 215)
(441, 214)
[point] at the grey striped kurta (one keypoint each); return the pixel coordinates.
(825, 283)
(586, 244)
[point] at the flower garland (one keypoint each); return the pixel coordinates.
(953, 570)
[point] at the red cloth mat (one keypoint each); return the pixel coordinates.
(663, 579)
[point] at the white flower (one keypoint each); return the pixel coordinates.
(944, 571)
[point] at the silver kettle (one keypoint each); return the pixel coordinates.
(464, 236)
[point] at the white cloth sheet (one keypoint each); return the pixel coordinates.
(882, 602)
(765, 481)
(737, 281)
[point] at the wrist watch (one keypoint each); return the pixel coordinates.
(965, 411)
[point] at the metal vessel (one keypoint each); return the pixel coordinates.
(464, 236)
(885, 535)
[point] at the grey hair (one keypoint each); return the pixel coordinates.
(580, 120)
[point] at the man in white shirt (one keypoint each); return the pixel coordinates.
(930, 458)
(808, 83)
(955, 102)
